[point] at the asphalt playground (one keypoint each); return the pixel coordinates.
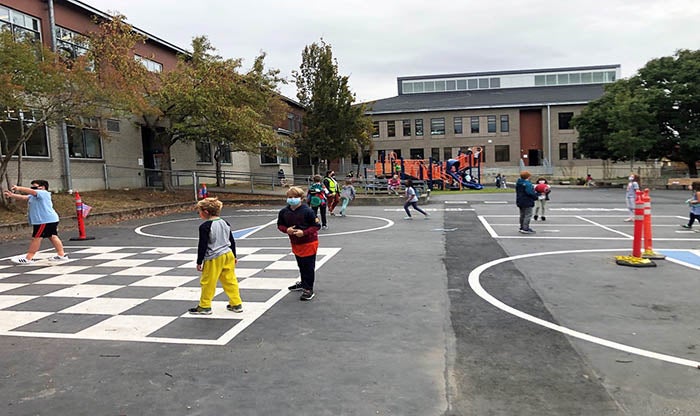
(456, 315)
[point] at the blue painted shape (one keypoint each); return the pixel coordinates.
(245, 231)
(683, 255)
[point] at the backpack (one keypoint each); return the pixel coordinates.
(316, 195)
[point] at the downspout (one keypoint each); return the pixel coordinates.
(549, 136)
(67, 179)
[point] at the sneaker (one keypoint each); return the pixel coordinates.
(535, 217)
(408, 218)
(687, 226)
(23, 260)
(521, 231)
(59, 258)
(235, 308)
(200, 311)
(332, 214)
(295, 287)
(530, 231)
(628, 219)
(325, 227)
(543, 218)
(427, 217)
(307, 294)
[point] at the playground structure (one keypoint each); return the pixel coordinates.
(456, 174)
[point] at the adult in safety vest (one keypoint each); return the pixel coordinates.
(333, 190)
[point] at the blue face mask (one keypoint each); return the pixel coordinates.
(294, 201)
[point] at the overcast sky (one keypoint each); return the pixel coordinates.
(377, 41)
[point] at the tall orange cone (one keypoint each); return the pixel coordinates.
(81, 219)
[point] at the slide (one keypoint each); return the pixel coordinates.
(465, 184)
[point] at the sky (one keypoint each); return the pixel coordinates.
(377, 41)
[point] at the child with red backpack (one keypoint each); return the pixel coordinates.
(543, 189)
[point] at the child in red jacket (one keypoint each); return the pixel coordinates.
(543, 189)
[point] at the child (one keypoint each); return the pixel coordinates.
(42, 217)
(412, 200)
(347, 194)
(525, 197)
(300, 223)
(543, 189)
(694, 203)
(216, 258)
(393, 185)
(631, 195)
(317, 198)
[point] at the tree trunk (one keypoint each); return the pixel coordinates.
(166, 167)
(692, 168)
(217, 166)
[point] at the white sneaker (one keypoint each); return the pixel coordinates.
(22, 260)
(408, 218)
(59, 258)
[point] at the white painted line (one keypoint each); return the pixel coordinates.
(604, 227)
(456, 202)
(488, 227)
(255, 230)
(475, 284)
(588, 209)
(495, 202)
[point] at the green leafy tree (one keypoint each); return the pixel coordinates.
(39, 89)
(335, 126)
(205, 97)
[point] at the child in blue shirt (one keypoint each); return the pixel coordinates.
(43, 218)
(694, 203)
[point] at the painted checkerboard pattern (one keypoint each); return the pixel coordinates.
(139, 294)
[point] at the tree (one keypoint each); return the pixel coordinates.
(654, 114)
(334, 126)
(39, 90)
(672, 85)
(205, 98)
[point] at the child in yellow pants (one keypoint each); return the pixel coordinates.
(216, 258)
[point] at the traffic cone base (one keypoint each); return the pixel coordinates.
(650, 254)
(632, 261)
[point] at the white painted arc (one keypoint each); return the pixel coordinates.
(475, 284)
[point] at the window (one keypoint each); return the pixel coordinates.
(565, 121)
(203, 148)
(151, 65)
(375, 129)
(539, 80)
(502, 153)
(458, 125)
(447, 153)
(391, 128)
(18, 122)
(475, 124)
(22, 26)
(491, 124)
(112, 126)
(419, 126)
(416, 153)
(483, 83)
(563, 151)
(437, 126)
(70, 44)
(406, 128)
(435, 153)
(224, 153)
(505, 123)
(84, 142)
(268, 154)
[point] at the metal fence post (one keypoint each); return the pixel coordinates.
(105, 171)
(194, 184)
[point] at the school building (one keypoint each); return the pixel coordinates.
(520, 119)
(125, 155)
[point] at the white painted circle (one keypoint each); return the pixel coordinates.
(475, 284)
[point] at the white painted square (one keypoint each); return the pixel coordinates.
(6, 275)
(102, 250)
(164, 281)
(181, 257)
(264, 283)
(104, 306)
(85, 291)
(142, 271)
(11, 300)
(283, 265)
(166, 250)
(10, 320)
(125, 263)
(58, 270)
(184, 293)
(262, 257)
(126, 327)
(4, 287)
(242, 272)
(71, 279)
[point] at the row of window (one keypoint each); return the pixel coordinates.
(437, 126)
(501, 153)
(269, 155)
(595, 77)
(464, 84)
(21, 25)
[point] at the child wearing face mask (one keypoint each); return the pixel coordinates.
(43, 218)
(300, 223)
(543, 189)
(631, 194)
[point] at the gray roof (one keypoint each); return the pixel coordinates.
(491, 98)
